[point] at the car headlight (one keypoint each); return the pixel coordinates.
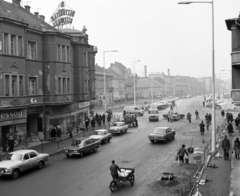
(7, 170)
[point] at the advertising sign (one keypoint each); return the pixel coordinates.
(62, 16)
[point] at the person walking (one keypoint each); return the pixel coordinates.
(226, 147)
(222, 113)
(59, 133)
(11, 141)
(168, 116)
(237, 121)
(53, 133)
(230, 128)
(87, 121)
(238, 128)
(203, 103)
(103, 119)
(93, 122)
(181, 152)
(202, 128)
(70, 130)
(236, 148)
(109, 118)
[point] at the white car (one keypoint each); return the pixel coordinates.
(102, 135)
(153, 114)
(21, 160)
(119, 128)
(134, 110)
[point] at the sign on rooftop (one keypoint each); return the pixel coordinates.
(63, 16)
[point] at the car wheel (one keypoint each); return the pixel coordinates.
(15, 173)
(40, 165)
(173, 137)
(132, 180)
(152, 141)
(81, 154)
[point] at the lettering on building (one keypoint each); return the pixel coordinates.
(11, 114)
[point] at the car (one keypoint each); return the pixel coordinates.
(118, 128)
(101, 135)
(153, 114)
(19, 161)
(164, 134)
(80, 146)
(174, 115)
(134, 110)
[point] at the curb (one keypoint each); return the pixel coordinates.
(56, 153)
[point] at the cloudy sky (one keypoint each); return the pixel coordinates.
(160, 33)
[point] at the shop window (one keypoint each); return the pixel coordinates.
(32, 50)
(32, 85)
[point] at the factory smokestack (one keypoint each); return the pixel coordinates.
(145, 70)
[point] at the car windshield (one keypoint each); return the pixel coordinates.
(13, 157)
(153, 112)
(159, 131)
(117, 124)
(76, 142)
(99, 133)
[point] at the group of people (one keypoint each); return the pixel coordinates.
(56, 133)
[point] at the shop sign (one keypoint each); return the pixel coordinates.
(84, 104)
(4, 115)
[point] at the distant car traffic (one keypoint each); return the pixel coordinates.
(174, 116)
(101, 135)
(19, 161)
(82, 145)
(134, 110)
(118, 128)
(164, 134)
(153, 114)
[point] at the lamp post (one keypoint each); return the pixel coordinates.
(213, 75)
(104, 80)
(134, 82)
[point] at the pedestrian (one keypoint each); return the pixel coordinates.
(124, 113)
(59, 133)
(168, 116)
(227, 117)
(70, 130)
(135, 119)
(230, 128)
(231, 117)
(93, 122)
(238, 128)
(87, 121)
(226, 147)
(103, 119)
(203, 103)
(11, 140)
(189, 116)
(181, 152)
(53, 133)
(222, 113)
(109, 118)
(202, 128)
(239, 115)
(210, 118)
(114, 172)
(237, 121)
(236, 148)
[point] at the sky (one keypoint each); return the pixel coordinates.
(160, 33)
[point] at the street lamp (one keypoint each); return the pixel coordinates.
(134, 83)
(104, 80)
(213, 75)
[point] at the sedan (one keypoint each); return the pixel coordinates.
(118, 127)
(21, 160)
(162, 134)
(101, 135)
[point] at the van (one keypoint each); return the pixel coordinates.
(134, 110)
(153, 114)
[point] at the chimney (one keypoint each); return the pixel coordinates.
(145, 70)
(42, 17)
(27, 7)
(16, 2)
(168, 72)
(36, 13)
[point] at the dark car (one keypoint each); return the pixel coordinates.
(81, 146)
(164, 134)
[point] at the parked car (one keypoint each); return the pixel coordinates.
(162, 134)
(81, 146)
(153, 114)
(101, 135)
(118, 128)
(134, 110)
(19, 161)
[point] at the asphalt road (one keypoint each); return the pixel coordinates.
(90, 175)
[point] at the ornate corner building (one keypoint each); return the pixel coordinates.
(46, 75)
(233, 25)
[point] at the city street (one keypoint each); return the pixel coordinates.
(90, 175)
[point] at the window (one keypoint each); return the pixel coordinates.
(26, 157)
(32, 85)
(14, 85)
(63, 53)
(5, 43)
(68, 86)
(59, 86)
(67, 55)
(7, 90)
(13, 45)
(64, 86)
(58, 53)
(20, 46)
(32, 154)
(32, 50)
(21, 85)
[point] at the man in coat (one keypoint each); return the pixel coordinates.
(59, 133)
(202, 128)
(53, 133)
(182, 151)
(226, 147)
(230, 128)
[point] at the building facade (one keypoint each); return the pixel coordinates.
(46, 76)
